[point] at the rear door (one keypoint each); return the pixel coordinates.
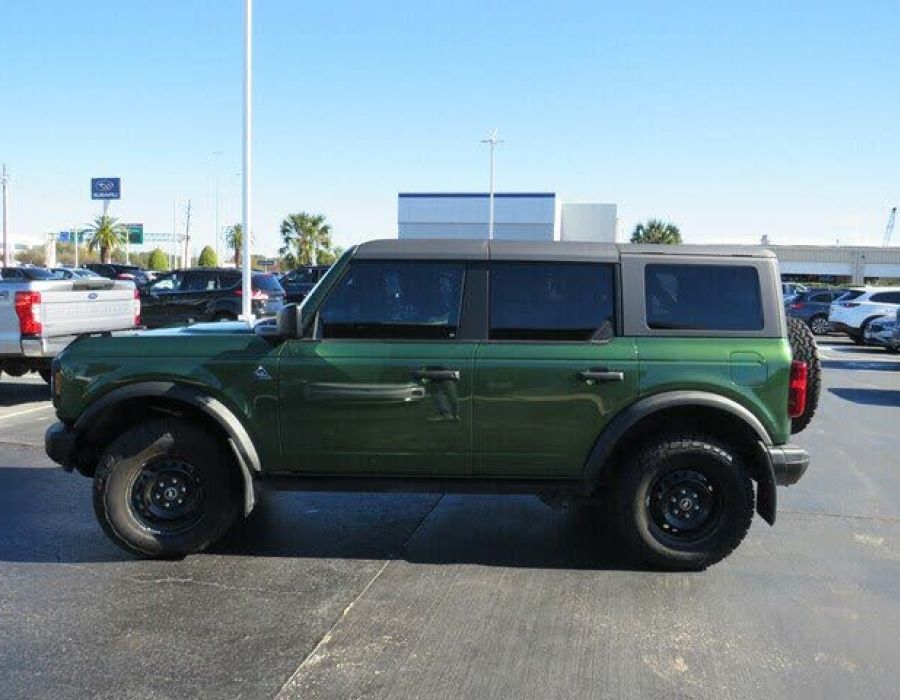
(384, 384)
(554, 370)
(155, 300)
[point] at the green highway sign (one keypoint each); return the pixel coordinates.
(135, 233)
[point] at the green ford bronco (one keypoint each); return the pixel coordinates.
(664, 381)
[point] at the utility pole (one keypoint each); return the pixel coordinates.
(173, 251)
(247, 200)
(186, 257)
(5, 179)
(493, 142)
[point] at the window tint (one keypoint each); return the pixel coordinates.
(267, 283)
(886, 297)
(169, 283)
(703, 297)
(198, 282)
(552, 301)
(395, 299)
(850, 295)
(821, 297)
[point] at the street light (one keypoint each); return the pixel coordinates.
(247, 212)
(492, 141)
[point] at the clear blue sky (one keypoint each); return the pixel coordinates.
(731, 119)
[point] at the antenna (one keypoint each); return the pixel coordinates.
(493, 142)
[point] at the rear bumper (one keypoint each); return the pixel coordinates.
(789, 463)
(59, 443)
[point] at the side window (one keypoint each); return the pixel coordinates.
(552, 301)
(227, 280)
(821, 298)
(395, 299)
(886, 297)
(169, 283)
(198, 282)
(703, 297)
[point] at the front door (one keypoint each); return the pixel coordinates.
(384, 386)
(553, 372)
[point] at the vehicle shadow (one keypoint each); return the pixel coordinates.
(862, 364)
(46, 517)
(14, 394)
(871, 397)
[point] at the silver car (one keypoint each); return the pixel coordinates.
(881, 332)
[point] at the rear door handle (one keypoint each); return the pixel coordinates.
(436, 374)
(600, 375)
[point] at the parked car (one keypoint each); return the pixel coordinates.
(851, 314)
(895, 341)
(502, 366)
(67, 273)
(118, 271)
(791, 289)
(28, 273)
(206, 294)
(813, 305)
(41, 314)
(880, 332)
(299, 282)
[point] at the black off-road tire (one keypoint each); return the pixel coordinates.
(804, 349)
(636, 500)
(148, 449)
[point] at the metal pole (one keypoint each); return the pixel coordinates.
(247, 213)
(75, 235)
(173, 253)
(5, 179)
(492, 141)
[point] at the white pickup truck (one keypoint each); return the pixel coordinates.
(39, 317)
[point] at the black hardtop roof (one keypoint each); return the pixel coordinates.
(447, 249)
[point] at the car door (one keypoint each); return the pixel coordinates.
(383, 385)
(155, 300)
(189, 304)
(553, 371)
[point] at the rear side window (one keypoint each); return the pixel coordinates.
(850, 295)
(886, 297)
(821, 297)
(703, 297)
(400, 299)
(552, 301)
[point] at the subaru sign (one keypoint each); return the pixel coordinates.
(106, 188)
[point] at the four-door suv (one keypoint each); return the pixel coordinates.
(206, 294)
(118, 271)
(851, 314)
(659, 378)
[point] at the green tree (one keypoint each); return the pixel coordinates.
(656, 231)
(208, 257)
(306, 238)
(106, 235)
(234, 239)
(35, 255)
(328, 257)
(158, 260)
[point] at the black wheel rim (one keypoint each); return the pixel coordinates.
(167, 495)
(684, 506)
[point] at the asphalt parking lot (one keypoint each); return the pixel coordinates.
(342, 596)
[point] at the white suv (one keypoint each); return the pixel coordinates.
(850, 316)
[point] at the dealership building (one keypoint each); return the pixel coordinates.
(542, 216)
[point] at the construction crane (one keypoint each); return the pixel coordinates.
(889, 229)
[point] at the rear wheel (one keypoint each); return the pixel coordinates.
(819, 325)
(804, 349)
(166, 488)
(683, 503)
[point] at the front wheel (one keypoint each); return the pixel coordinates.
(166, 488)
(683, 503)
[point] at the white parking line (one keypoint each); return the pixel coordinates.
(26, 411)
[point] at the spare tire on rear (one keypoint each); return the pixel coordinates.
(804, 349)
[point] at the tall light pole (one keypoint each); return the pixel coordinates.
(5, 179)
(492, 141)
(247, 211)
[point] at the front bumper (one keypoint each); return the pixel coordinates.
(839, 327)
(59, 443)
(789, 463)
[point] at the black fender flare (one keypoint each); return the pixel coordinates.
(239, 439)
(598, 466)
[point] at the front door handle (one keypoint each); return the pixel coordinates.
(600, 375)
(436, 374)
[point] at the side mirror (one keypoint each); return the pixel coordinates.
(290, 321)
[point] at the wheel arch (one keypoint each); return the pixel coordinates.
(679, 411)
(121, 407)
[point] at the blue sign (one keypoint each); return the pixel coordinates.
(106, 188)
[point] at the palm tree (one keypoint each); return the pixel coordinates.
(108, 235)
(656, 231)
(234, 239)
(304, 235)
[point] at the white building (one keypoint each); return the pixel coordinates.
(530, 216)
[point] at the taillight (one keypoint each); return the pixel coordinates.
(797, 305)
(797, 389)
(257, 294)
(137, 308)
(849, 304)
(28, 309)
